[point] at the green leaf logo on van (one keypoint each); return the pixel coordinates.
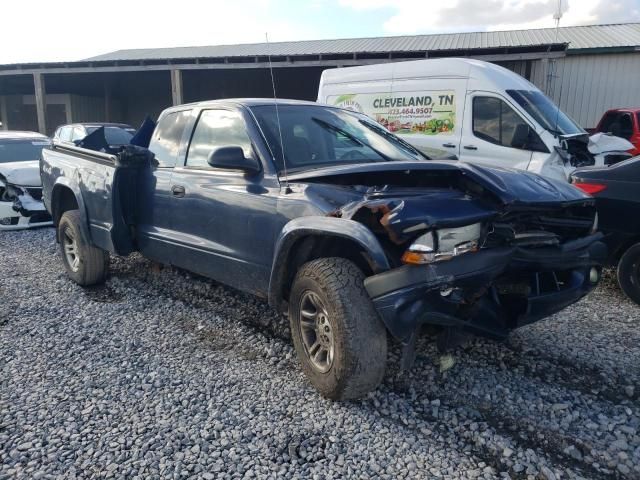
(344, 98)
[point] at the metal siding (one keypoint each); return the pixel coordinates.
(87, 109)
(588, 85)
(581, 37)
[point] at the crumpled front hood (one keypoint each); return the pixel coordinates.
(509, 186)
(517, 187)
(24, 174)
(603, 143)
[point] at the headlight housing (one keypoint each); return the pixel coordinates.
(443, 244)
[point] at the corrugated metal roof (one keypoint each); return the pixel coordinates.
(582, 37)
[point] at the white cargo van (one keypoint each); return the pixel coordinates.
(475, 111)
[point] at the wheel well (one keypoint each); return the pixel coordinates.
(615, 258)
(63, 200)
(312, 247)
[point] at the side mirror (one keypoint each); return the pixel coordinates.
(232, 158)
(521, 136)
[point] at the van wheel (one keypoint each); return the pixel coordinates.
(85, 264)
(629, 273)
(339, 338)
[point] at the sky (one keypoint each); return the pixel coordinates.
(67, 30)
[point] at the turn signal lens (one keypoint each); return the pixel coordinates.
(414, 258)
(590, 188)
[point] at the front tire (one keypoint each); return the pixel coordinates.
(85, 264)
(629, 273)
(339, 339)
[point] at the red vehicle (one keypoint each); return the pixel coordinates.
(622, 122)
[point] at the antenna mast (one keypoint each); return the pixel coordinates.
(557, 16)
(275, 101)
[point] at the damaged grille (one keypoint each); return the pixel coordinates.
(36, 193)
(541, 228)
(39, 217)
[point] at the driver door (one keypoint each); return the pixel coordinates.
(489, 133)
(224, 220)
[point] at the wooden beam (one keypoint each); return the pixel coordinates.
(3, 113)
(106, 87)
(176, 87)
(41, 102)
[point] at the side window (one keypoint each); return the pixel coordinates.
(495, 121)
(618, 124)
(78, 133)
(217, 128)
(608, 120)
(165, 143)
(65, 134)
(486, 118)
(626, 126)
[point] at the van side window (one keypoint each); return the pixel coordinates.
(217, 128)
(494, 121)
(165, 143)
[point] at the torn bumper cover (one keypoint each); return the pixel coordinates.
(21, 207)
(490, 292)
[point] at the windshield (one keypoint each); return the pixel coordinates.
(318, 136)
(21, 150)
(545, 112)
(114, 135)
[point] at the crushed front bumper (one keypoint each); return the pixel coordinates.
(490, 292)
(20, 214)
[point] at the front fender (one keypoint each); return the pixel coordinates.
(321, 226)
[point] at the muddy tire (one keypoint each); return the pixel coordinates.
(629, 273)
(85, 264)
(340, 340)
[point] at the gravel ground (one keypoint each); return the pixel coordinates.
(160, 374)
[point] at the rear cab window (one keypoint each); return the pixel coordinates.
(167, 138)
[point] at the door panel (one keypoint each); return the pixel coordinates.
(225, 226)
(437, 127)
(224, 220)
(155, 226)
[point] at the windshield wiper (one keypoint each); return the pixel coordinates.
(357, 141)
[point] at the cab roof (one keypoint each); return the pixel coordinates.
(246, 102)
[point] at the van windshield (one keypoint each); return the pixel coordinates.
(316, 136)
(545, 112)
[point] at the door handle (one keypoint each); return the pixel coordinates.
(470, 147)
(449, 145)
(177, 191)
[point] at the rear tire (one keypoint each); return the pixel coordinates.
(629, 273)
(85, 264)
(339, 339)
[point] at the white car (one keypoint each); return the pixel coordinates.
(21, 203)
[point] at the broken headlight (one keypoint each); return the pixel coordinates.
(443, 244)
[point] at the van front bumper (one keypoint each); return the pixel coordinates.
(490, 292)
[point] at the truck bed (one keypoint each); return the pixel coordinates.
(104, 186)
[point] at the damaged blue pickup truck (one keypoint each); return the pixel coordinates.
(342, 226)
